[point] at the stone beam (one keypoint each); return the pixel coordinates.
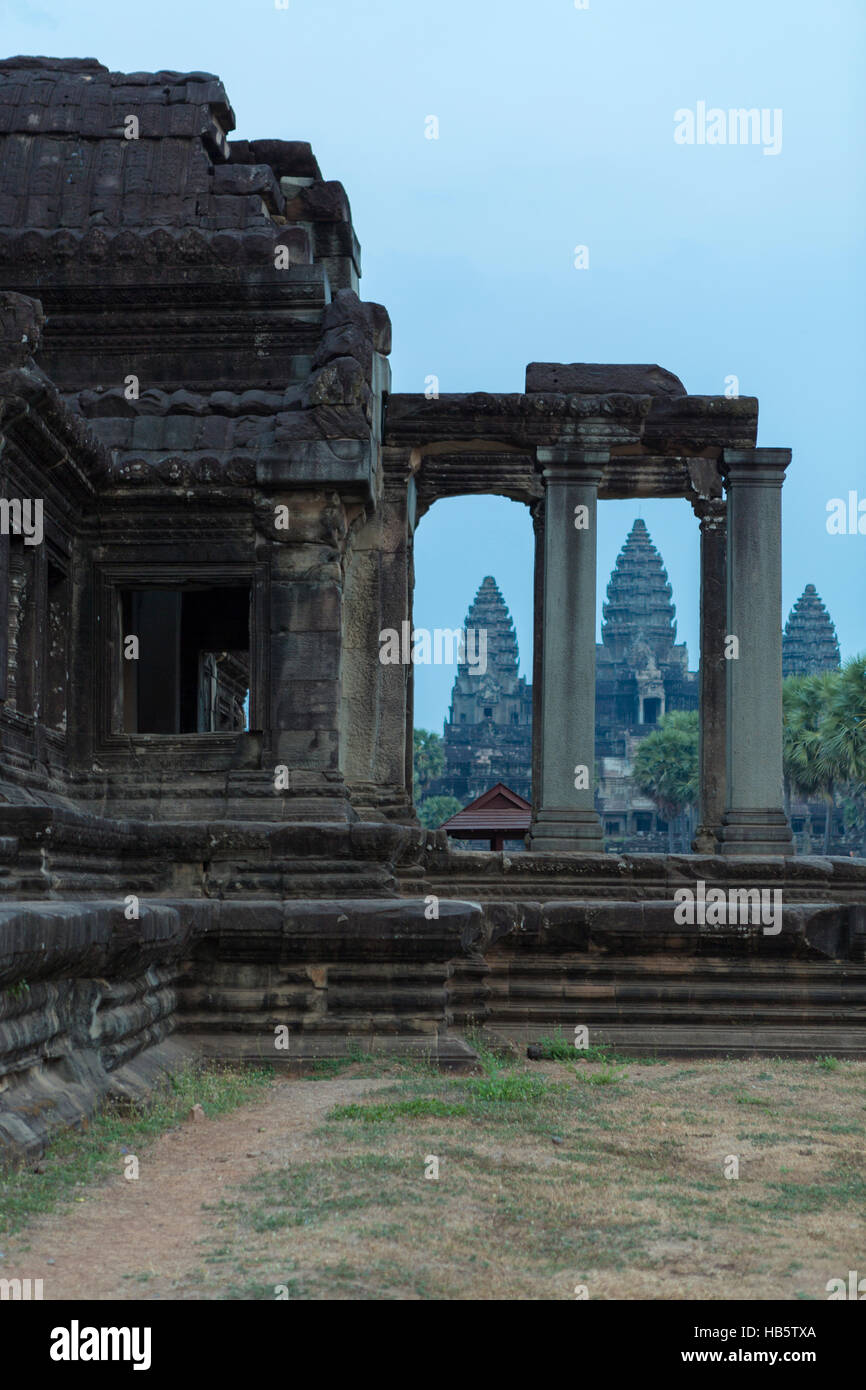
(615, 420)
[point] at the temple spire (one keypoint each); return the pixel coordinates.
(489, 613)
(809, 643)
(638, 601)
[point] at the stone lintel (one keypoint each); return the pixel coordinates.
(339, 463)
(679, 425)
(684, 424)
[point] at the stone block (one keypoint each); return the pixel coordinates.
(596, 378)
(305, 607)
(21, 323)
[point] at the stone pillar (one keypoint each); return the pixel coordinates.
(376, 714)
(302, 629)
(409, 720)
(537, 513)
(4, 603)
(713, 514)
(564, 816)
(755, 822)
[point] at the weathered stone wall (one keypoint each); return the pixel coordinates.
(87, 1001)
(89, 998)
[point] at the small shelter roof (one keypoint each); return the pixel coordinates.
(499, 811)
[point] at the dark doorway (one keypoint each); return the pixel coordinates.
(191, 671)
(651, 710)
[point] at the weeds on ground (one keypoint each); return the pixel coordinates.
(77, 1158)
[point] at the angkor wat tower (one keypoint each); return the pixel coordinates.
(641, 674)
(642, 671)
(809, 643)
(488, 734)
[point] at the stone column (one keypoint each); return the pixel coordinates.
(564, 815)
(713, 514)
(4, 603)
(377, 696)
(537, 513)
(302, 626)
(755, 822)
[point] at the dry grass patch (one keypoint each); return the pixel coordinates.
(606, 1173)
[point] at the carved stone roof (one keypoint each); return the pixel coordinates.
(809, 642)
(103, 166)
(489, 613)
(639, 611)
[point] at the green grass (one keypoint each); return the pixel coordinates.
(17, 991)
(81, 1157)
(608, 1076)
(325, 1068)
(500, 1085)
(506, 1088)
(556, 1047)
(844, 1189)
(829, 1063)
(422, 1107)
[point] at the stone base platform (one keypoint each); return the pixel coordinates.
(93, 1004)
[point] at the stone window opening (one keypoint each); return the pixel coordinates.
(651, 710)
(58, 648)
(188, 671)
(21, 628)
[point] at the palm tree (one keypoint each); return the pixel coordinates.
(428, 761)
(843, 752)
(666, 766)
(807, 767)
(433, 810)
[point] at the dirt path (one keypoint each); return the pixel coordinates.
(139, 1239)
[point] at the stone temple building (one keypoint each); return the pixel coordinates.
(488, 733)
(641, 673)
(809, 642)
(809, 646)
(208, 508)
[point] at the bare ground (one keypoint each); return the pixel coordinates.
(122, 1230)
(616, 1186)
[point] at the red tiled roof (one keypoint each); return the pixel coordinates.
(499, 809)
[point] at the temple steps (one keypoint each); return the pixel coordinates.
(701, 1007)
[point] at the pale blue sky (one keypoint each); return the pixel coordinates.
(556, 129)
